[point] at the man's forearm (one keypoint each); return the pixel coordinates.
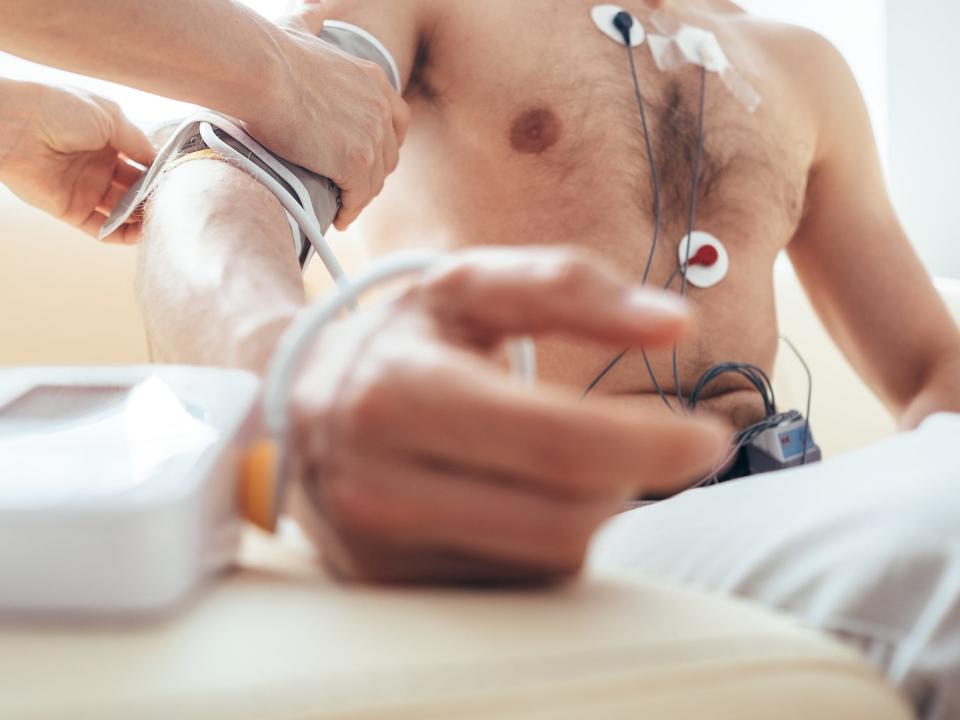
(218, 275)
(215, 53)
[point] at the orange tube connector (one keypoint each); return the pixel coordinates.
(257, 481)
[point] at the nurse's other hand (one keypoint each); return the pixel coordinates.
(425, 462)
(69, 153)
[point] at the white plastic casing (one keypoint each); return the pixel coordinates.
(148, 512)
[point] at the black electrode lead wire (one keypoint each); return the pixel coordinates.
(691, 217)
(658, 213)
(657, 220)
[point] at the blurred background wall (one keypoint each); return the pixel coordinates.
(924, 120)
(63, 298)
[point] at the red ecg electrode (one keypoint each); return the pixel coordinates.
(706, 256)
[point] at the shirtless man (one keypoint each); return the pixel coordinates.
(525, 129)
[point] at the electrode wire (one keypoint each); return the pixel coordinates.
(755, 375)
(806, 369)
(746, 436)
(657, 221)
(691, 216)
(658, 212)
(654, 174)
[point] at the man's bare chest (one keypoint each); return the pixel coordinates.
(532, 120)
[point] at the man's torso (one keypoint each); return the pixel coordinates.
(526, 130)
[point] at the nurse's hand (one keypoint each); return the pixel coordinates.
(69, 153)
(425, 462)
(347, 124)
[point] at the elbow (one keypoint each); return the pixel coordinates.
(937, 390)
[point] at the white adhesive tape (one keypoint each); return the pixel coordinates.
(678, 45)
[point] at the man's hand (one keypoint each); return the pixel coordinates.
(339, 116)
(68, 153)
(424, 462)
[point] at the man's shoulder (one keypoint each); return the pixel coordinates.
(808, 58)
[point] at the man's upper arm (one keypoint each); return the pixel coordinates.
(851, 253)
(396, 23)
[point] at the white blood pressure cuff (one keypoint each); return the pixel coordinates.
(310, 200)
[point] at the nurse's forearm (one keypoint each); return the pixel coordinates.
(218, 276)
(215, 53)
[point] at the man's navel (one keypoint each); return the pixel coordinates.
(535, 131)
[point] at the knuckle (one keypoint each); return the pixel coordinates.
(369, 404)
(372, 70)
(569, 271)
(364, 411)
(362, 156)
(345, 508)
(351, 202)
(390, 164)
(111, 106)
(307, 417)
(377, 133)
(570, 566)
(369, 155)
(570, 536)
(448, 283)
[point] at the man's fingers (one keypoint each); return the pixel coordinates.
(469, 416)
(415, 507)
(493, 293)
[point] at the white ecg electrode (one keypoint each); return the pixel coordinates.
(708, 258)
(603, 16)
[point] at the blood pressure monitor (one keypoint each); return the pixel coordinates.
(117, 485)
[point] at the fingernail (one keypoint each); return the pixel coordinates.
(642, 300)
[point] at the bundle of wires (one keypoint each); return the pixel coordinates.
(773, 418)
(754, 375)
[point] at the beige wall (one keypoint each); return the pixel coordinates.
(64, 298)
(67, 299)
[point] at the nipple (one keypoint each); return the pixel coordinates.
(535, 131)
